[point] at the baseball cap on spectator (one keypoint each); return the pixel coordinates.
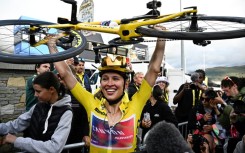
(81, 60)
(162, 79)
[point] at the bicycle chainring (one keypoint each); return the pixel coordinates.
(119, 42)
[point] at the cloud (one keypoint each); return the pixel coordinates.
(218, 53)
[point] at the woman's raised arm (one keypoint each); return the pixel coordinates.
(61, 66)
(156, 59)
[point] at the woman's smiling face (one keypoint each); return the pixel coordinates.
(112, 85)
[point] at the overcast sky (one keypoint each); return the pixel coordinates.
(219, 53)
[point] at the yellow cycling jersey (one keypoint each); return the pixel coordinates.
(121, 138)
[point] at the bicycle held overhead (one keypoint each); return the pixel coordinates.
(185, 25)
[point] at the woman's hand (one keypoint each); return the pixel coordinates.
(52, 39)
(146, 123)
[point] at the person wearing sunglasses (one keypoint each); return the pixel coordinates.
(234, 88)
(113, 118)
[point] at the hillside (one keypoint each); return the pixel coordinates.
(216, 74)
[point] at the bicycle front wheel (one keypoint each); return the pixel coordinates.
(16, 37)
(207, 28)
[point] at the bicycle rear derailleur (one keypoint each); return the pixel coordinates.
(202, 42)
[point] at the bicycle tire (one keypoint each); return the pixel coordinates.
(18, 31)
(183, 34)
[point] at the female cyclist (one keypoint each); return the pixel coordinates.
(113, 118)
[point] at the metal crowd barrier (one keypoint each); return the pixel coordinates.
(183, 129)
(74, 145)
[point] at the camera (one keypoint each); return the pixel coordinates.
(194, 78)
(153, 4)
(193, 86)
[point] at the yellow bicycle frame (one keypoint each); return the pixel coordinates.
(129, 27)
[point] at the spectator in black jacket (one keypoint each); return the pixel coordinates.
(157, 110)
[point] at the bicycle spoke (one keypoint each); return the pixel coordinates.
(207, 26)
(200, 28)
(17, 42)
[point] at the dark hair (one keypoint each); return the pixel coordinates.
(39, 65)
(76, 60)
(202, 72)
(210, 93)
(198, 141)
(157, 92)
(49, 79)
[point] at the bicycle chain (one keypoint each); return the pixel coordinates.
(165, 39)
(159, 40)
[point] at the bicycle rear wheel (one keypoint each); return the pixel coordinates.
(207, 28)
(15, 39)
